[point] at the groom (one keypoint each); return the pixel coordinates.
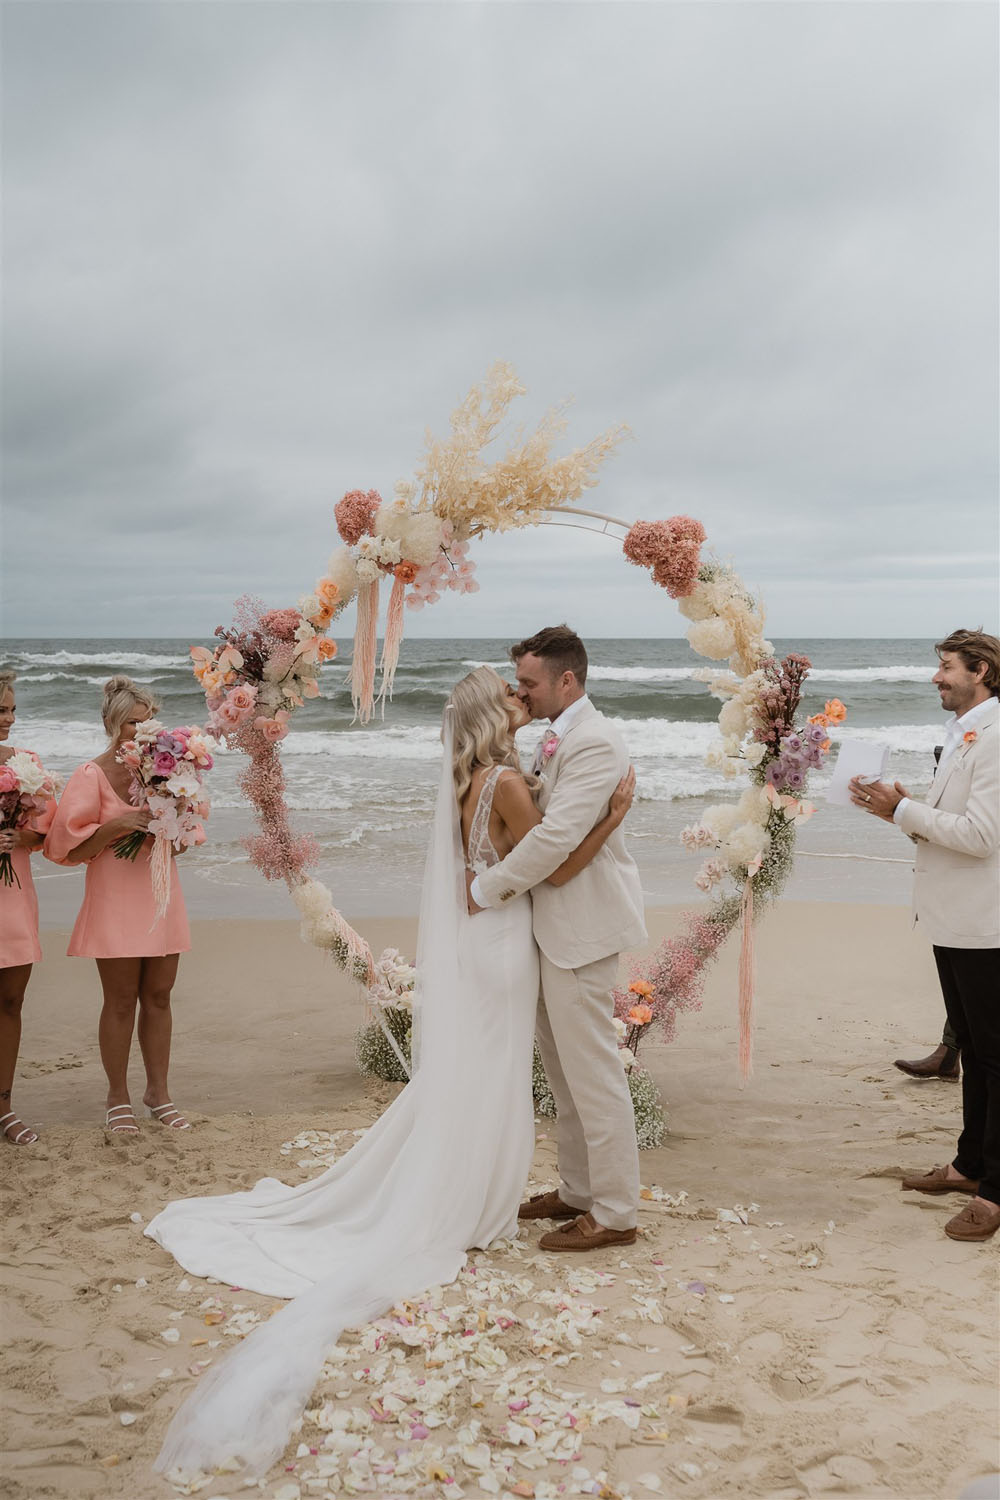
(580, 929)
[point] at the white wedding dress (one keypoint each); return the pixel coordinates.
(440, 1172)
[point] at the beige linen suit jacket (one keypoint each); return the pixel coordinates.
(956, 887)
(599, 911)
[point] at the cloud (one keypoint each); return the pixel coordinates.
(253, 250)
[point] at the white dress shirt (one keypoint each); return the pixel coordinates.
(954, 732)
(558, 726)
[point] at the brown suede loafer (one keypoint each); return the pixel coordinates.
(975, 1222)
(585, 1234)
(546, 1206)
(938, 1181)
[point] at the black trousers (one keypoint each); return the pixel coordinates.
(970, 983)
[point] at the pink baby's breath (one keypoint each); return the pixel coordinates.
(355, 514)
(670, 549)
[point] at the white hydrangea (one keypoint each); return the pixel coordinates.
(368, 571)
(342, 571)
(754, 752)
(421, 538)
(733, 719)
(744, 843)
(698, 604)
(720, 818)
(712, 638)
(754, 805)
(312, 899)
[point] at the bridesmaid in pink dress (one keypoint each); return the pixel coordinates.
(19, 947)
(136, 953)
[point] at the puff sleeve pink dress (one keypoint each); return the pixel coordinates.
(19, 904)
(118, 915)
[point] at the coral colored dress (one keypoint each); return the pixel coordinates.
(118, 915)
(19, 906)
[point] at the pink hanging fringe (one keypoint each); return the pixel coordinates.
(159, 870)
(365, 643)
(746, 983)
(393, 639)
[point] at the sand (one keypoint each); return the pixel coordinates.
(788, 1324)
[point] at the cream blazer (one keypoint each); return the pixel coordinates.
(956, 886)
(599, 911)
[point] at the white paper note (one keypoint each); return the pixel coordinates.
(856, 758)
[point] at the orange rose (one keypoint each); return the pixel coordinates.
(835, 711)
(321, 619)
(405, 571)
(640, 1015)
(819, 719)
(327, 592)
(641, 987)
(327, 649)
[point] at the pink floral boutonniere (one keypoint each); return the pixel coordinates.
(549, 747)
(969, 737)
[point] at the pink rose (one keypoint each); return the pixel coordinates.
(164, 764)
(242, 698)
(228, 715)
(8, 781)
(273, 729)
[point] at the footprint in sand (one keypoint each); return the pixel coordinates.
(49, 1065)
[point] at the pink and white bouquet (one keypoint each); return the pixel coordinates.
(25, 787)
(167, 767)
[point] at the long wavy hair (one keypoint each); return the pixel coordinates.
(483, 736)
(121, 696)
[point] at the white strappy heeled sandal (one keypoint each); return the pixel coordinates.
(120, 1120)
(160, 1113)
(24, 1136)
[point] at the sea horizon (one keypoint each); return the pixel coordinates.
(366, 791)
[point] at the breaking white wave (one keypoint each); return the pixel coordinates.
(100, 659)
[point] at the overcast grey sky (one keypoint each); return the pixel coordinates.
(253, 250)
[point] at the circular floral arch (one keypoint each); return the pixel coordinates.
(267, 664)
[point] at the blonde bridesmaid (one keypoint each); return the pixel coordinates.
(19, 946)
(137, 952)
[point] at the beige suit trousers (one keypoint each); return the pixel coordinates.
(595, 1128)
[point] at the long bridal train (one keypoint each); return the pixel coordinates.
(441, 1171)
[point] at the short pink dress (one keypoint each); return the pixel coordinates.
(118, 915)
(19, 905)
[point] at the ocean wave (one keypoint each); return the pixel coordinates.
(100, 659)
(671, 739)
(870, 674)
(32, 677)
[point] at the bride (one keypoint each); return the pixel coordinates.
(444, 1167)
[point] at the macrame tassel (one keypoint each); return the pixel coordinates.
(159, 870)
(393, 639)
(365, 643)
(746, 982)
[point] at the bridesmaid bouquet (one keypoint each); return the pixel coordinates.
(166, 766)
(25, 787)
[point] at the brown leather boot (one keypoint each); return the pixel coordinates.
(942, 1063)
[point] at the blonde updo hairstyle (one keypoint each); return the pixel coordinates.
(483, 736)
(121, 696)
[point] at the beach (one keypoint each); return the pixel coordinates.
(788, 1323)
